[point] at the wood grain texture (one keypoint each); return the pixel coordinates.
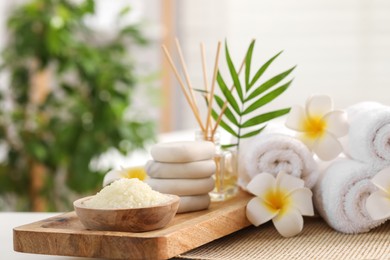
(65, 235)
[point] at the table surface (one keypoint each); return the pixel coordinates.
(9, 220)
(317, 241)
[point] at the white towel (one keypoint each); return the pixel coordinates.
(368, 139)
(273, 153)
(340, 196)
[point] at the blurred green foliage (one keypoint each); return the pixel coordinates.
(83, 114)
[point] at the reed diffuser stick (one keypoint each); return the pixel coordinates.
(206, 85)
(187, 76)
(183, 88)
(210, 105)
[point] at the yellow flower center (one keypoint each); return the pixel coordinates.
(276, 200)
(314, 127)
(134, 172)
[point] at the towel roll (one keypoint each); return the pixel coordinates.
(368, 139)
(340, 196)
(273, 153)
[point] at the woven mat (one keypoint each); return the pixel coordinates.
(316, 241)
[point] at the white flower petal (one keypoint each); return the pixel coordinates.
(318, 105)
(302, 200)
(288, 183)
(382, 180)
(327, 147)
(289, 224)
(296, 118)
(337, 123)
(258, 213)
(261, 183)
(378, 205)
(112, 176)
(309, 142)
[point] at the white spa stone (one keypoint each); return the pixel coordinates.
(191, 170)
(182, 187)
(182, 152)
(193, 203)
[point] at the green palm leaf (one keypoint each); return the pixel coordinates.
(269, 84)
(265, 117)
(224, 125)
(228, 113)
(248, 62)
(233, 73)
(227, 146)
(227, 93)
(253, 133)
(240, 99)
(202, 91)
(267, 98)
(262, 69)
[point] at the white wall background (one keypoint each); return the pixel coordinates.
(342, 48)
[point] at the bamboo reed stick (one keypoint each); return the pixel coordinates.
(205, 79)
(206, 85)
(183, 88)
(187, 76)
(208, 123)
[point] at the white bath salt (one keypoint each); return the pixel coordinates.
(126, 193)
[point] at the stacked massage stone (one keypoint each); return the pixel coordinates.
(184, 169)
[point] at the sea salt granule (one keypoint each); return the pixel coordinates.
(126, 193)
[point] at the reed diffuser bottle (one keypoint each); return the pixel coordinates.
(226, 174)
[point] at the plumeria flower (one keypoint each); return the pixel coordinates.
(378, 203)
(129, 172)
(319, 126)
(284, 200)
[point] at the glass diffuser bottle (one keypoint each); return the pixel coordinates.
(226, 167)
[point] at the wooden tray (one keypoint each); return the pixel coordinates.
(65, 235)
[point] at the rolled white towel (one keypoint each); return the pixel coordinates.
(273, 153)
(368, 139)
(340, 196)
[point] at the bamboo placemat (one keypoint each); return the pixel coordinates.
(316, 241)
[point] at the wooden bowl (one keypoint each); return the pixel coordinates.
(127, 219)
